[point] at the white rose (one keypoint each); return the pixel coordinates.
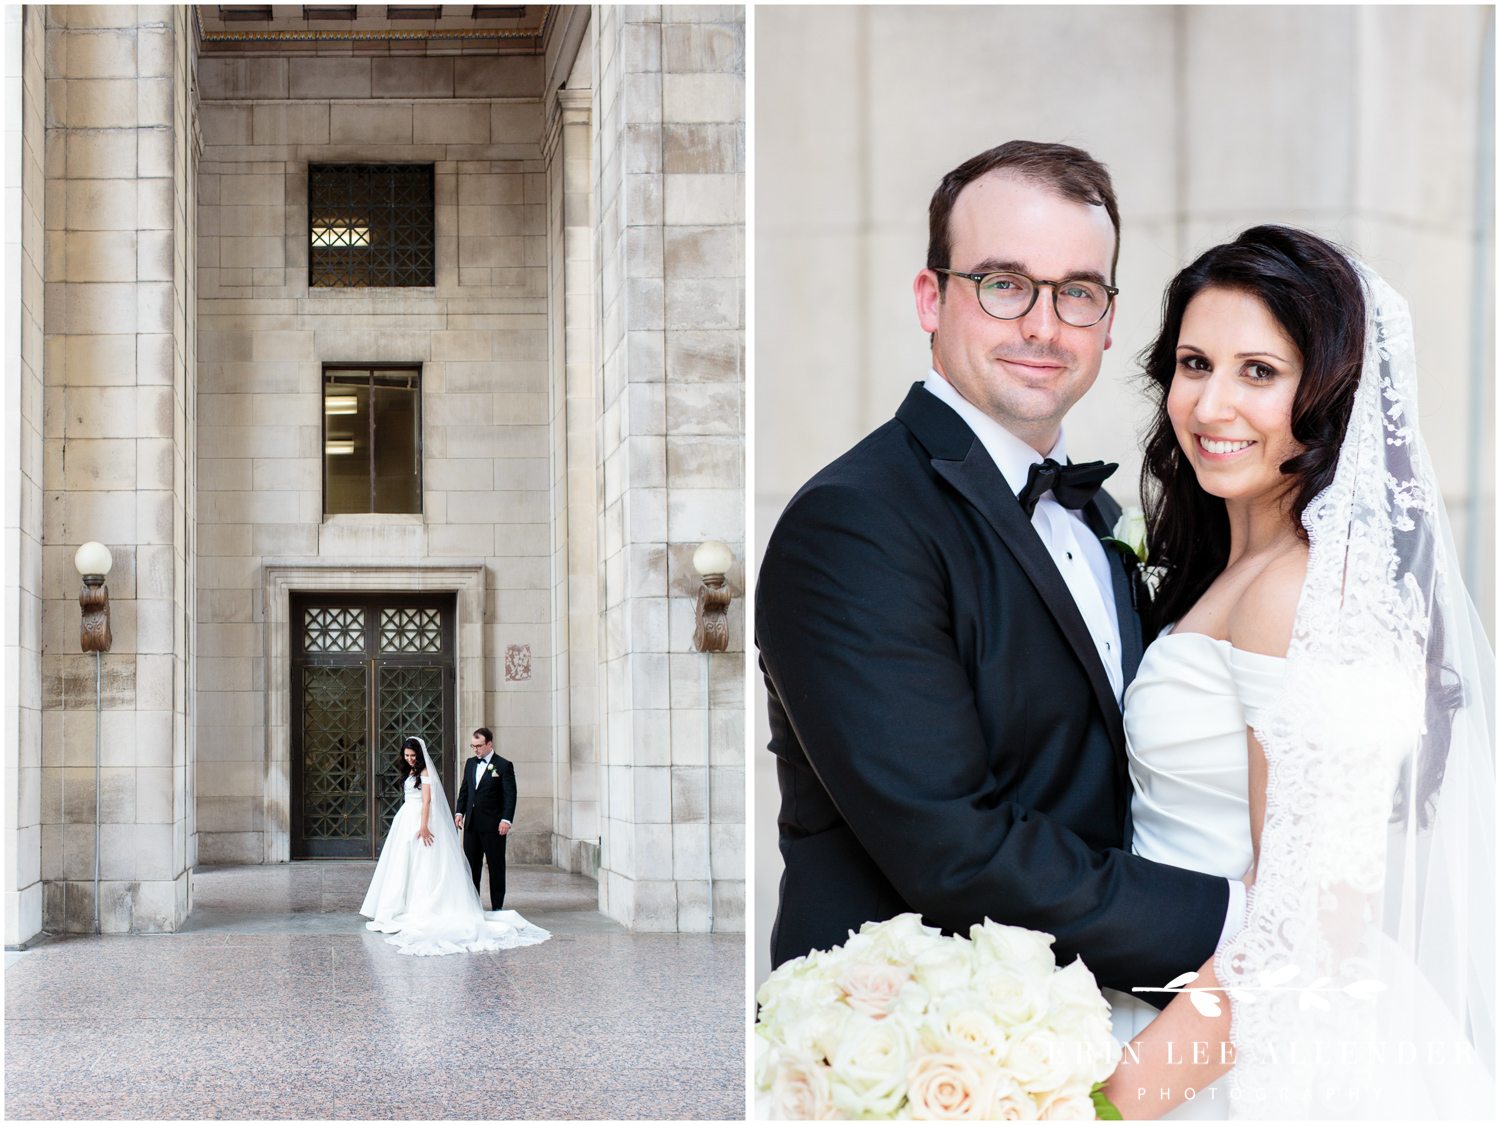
(950, 1086)
(1016, 997)
(868, 1068)
(1091, 1049)
(964, 1028)
(1040, 1061)
(913, 1001)
(902, 939)
(796, 1000)
(1011, 945)
(945, 967)
(1075, 985)
(799, 1090)
(872, 987)
(1008, 1102)
(1130, 529)
(1070, 1104)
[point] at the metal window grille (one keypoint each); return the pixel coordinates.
(370, 225)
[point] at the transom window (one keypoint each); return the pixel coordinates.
(372, 440)
(370, 226)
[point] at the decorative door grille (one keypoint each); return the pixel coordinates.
(367, 671)
(336, 768)
(411, 703)
(370, 225)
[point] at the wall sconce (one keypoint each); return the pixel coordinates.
(711, 633)
(93, 561)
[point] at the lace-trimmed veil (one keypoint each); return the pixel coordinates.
(1363, 982)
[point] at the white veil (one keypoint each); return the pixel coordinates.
(1363, 982)
(440, 808)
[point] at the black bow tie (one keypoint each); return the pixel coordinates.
(1072, 486)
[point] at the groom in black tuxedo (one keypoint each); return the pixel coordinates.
(485, 808)
(946, 641)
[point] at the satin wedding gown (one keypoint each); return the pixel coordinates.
(423, 894)
(1185, 717)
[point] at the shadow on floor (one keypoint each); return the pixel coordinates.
(323, 896)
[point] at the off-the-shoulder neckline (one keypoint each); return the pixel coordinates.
(1221, 641)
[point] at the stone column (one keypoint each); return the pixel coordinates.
(25, 139)
(117, 458)
(575, 477)
(669, 237)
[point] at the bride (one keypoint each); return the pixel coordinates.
(1312, 614)
(422, 892)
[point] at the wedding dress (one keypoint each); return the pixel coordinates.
(423, 894)
(1362, 983)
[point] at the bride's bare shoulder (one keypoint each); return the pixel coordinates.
(1262, 618)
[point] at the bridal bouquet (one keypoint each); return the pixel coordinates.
(903, 1023)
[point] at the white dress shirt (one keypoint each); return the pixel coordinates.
(1079, 556)
(1076, 550)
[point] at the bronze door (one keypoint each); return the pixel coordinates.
(367, 671)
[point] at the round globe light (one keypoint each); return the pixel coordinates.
(93, 558)
(713, 557)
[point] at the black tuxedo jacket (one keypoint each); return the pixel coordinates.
(946, 737)
(487, 805)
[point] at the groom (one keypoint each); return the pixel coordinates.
(486, 804)
(946, 641)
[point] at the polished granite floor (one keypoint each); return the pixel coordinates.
(276, 1003)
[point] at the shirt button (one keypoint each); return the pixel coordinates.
(1070, 555)
(1106, 646)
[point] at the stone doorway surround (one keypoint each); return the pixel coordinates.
(281, 580)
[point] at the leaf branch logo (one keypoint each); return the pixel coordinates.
(1272, 980)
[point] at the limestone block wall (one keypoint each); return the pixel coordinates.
(25, 141)
(117, 455)
(669, 262)
(480, 335)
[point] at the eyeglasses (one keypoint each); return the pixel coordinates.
(1010, 296)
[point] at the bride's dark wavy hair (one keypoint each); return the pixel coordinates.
(1316, 296)
(405, 769)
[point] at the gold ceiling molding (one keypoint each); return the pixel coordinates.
(373, 35)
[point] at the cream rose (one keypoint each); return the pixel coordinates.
(950, 1086)
(1072, 1104)
(1013, 946)
(1091, 1049)
(1015, 997)
(1008, 1102)
(872, 987)
(800, 1090)
(868, 1068)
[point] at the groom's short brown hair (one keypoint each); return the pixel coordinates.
(1070, 172)
(484, 733)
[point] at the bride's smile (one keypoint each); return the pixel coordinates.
(1232, 395)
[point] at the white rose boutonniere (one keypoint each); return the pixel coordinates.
(1129, 535)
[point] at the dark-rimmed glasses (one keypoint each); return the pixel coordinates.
(1010, 296)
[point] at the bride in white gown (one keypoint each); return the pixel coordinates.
(423, 892)
(1317, 715)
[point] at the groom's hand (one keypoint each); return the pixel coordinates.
(459, 820)
(504, 827)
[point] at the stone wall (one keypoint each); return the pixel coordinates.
(25, 142)
(480, 336)
(118, 451)
(669, 261)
